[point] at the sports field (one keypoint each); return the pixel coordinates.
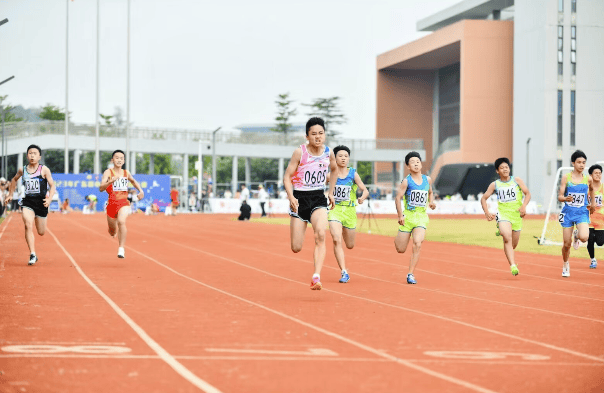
(207, 303)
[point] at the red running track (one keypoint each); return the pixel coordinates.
(205, 303)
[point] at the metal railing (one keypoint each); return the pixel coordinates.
(16, 130)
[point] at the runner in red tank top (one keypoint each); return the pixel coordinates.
(115, 182)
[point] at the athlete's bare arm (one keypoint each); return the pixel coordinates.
(527, 196)
(561, 197)
(483, 201)
(106, 180)
(53, 187)
(592, 196)
(431, 204)
(362, 187)
(333, 179)
(287, 178)
(13, 184)
(402, 188)
(141, 194)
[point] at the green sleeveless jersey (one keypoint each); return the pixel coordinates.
(509, 195)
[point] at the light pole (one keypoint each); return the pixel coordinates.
(214, 160)
(128, 91)
(97, 142)
(67, 86)
(527, 161)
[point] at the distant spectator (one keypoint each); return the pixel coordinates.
(192, 202)
(282, 194)
(92, 201)
(246, 211)
(263, 197)
(245, 193)
(65, 207)
(228, 194)
(175, 201)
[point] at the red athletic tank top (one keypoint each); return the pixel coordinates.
(119, 188)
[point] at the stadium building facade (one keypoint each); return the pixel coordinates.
(515, 78)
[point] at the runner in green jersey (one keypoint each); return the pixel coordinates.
(512, 198)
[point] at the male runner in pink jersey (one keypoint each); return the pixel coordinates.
(304, 182)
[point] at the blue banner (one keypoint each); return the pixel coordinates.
(77, 187)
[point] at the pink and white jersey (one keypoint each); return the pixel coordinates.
(312, 171)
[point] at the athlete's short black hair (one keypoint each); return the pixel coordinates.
(411, 155)
(500, 161)
(314, 121)
(594, 167)
(341, 147)
(34, 147)
(577, 154)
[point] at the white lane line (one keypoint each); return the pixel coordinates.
(230, 244)
(432, 290)
(161, 352)
(308, 352)
(5, 225)
(327, 332)
(304, 358)
(545, 345)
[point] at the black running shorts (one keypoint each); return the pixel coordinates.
(308, 202)
(35, 204)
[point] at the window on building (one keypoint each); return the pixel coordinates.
(560, 5)
(573, 5)
(559, 118)
(558, 164)
(572, 117)
(573, 50)
(448, 102)
(560, 49)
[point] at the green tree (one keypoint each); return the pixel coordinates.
(107, 119)
(162, 164)
(51, 112)
(328, 110)
(8, 116)
(364, 171)
(284, 113)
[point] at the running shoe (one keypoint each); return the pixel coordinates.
(593, 264)
(411, 279)
(32, 259)
(576, 242)
(514, 270)
(315, 284)
(565, 272)
(121, 253)
(345, 278)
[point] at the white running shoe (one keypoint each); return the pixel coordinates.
(121, 253)
(566, 272)
(32, 259)
(576, 242)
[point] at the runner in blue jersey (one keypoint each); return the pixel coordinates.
(574, 191)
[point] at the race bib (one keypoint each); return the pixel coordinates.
(578, 199)
(506, 194)
(341, 193)
(418, 198)
(598, 200)
(315, 178)
(32, 186)
(121, 184)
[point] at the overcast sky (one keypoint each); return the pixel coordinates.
(202, 64)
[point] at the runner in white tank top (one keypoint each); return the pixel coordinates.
(304, 182)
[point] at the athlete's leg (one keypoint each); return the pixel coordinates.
(297, 229)
(505, 228)
(318, 218)
(515, 238)
(401, 241)
(583, 231)
(567, 236)
(349, 236)
(122, 214)
(599, 237)
(336, 234)
(419, 234)
(28, 219)
(591, 242)
(112, 224)
(40, 225)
